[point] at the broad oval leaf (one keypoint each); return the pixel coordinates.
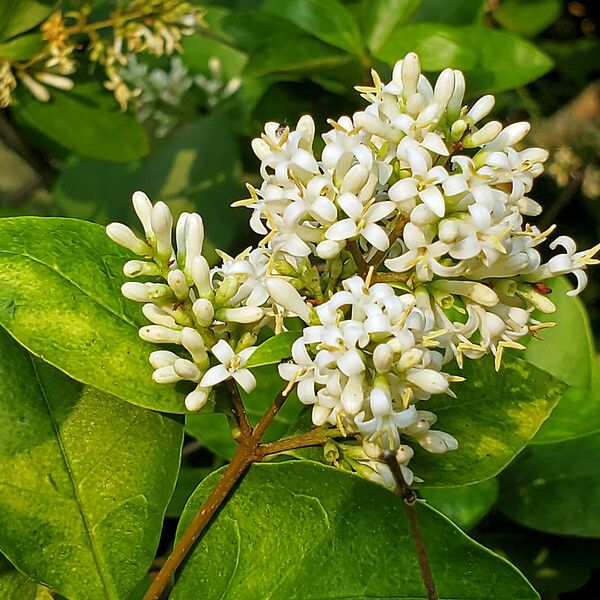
(60, 297)
(81, 126)
(22, 47)
(381, 16)
(493, 418)
(564, 479)
(567, 353)
(17, 16)
(328, 20)
(527, 17)
(465, 505)
(85, 480)
(473, 49)
(300, 530)
(274, 349)
(15, 585)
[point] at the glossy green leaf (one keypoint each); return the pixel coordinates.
(14, 585)
(85, 480)
(382, 16)
(296, 55)
(556, 488)
(570, 340)
(187, 481)
(473, 49)
(213, 430)
(80, 125)
(455, 12)
(17, 16)
(493, 418)
(60, 297)
(274, 349)
(22, 48)
(465, 505)
(327, 20)
(571, 359)
(527, 17)
(554, 565)
(300, 530)
(252, 29)
(197, 169)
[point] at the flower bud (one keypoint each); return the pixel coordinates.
(242, 314)
(201, 276)
(122, 235)
(482, 108)
(444, 87)
(355, 179)
(227, 290)
(204, 312)
(158, 316)
(410, 72)
(165, 375)
(177, 282)
(284, 294)
(458, 129)
(143, 209)
(404, 454)
(146, 292)
(382, 358)
(195, 400)
(158, 334)
(162, 224)
(484, 135)
(192, 341)
(437, 442)
(194, 240)
(456, 100)
(430, 381)
(509, 136)
(162, 358)
(409, 359)
(329, 249)
(186, 369)
(135, 268)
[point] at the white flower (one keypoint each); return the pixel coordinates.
(231, 367)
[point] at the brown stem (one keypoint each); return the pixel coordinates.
(316, 437)
(361, 264)
(244, 457)
(410, 504)
(239, 410)
(247, 453)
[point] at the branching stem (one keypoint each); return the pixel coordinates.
(250, 450)
(410, 504)
(361, 264)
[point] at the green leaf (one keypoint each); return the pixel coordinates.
(300, 530)
(17, 16)
(15, 585)
(493, 418)
(327, 20)
(60, 297)
(571, 340)
(474, 49)
(80, 125)
(383, 15)
(197, 169)
(295, 55)
(85, 480)
(455, 12)
(187, 482)
(274, 349)
(564, 479)
(213, 430)
(465, 505)
(554, 565)
(22, 48)
(527, 17)
(571, 359)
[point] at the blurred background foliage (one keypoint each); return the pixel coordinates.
(184, 138)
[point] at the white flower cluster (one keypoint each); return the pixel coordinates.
(406, 238)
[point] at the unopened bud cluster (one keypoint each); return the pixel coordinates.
(153, 26)
(402, 247)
